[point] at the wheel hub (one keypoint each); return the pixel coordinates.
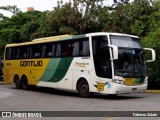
(84, 88)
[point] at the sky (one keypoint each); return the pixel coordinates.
(40, 5)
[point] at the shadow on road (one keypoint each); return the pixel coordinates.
(74, 94)
(118, 97)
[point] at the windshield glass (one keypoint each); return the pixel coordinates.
(123, 41)
(130, 63)
(131, 58)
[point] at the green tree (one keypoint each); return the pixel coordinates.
(66, 20)
(31, 23)
(152, 40)
(86, 6)
(13, 9)
(19, 28)
(119, 19)
(141, 10)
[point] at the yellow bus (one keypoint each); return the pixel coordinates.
(109, 63)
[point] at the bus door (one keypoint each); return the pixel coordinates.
(105, 70)
(102, 62)
(101, 57)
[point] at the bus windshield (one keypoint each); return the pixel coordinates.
(131, 63)
(131, 58)
(124, 41)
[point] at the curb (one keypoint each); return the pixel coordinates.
(2, 83)
(152, 91)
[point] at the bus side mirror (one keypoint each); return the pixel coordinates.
(153, 54)
(114, 55)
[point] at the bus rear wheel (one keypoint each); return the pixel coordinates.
(18, 83)
(83, 89)
(24, 82)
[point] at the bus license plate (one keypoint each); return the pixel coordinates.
(134, 89)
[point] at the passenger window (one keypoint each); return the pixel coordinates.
(49, 50)
(85, 50)
(81, 48)
(58, 51)
(16, 53)
(75, 49)
(43, 50)
(24, 52)
(36, 51)
(8, 53)
(67, 49)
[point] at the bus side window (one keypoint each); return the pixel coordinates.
(58, 50)
(85, 49)
(53, 50)
(24, 52)
(75, 49)
(21, 52)
(81, 48)
(40, 50)
(8, 53)
(13, 53)
(43, 51)
(70, 49)
(49, 50)
(17, 53)
(32, 52)
(64, 49)
(67, 49)
(36, 51)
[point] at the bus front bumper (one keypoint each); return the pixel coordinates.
(123, 89)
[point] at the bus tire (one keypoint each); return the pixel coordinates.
(17, 82)
(24, 82)
(83, 89)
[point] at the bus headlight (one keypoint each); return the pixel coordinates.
(118, 81)
(146, 81)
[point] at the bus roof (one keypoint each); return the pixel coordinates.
(65, 37)
(111, 33)
(48, 39)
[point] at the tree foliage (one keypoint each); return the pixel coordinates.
(139, 17)
(12, 9)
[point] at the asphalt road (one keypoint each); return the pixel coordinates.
(44, 99)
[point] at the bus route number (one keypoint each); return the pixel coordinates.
(100, 87)
(8, 64)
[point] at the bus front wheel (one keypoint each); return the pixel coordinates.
(24, 82)
(83, 89)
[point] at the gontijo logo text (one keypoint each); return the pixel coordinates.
(37, 63)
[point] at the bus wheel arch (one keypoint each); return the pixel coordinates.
(24, 82)
(17, 82)
(83, 88)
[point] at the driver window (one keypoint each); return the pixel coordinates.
(101, 56)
